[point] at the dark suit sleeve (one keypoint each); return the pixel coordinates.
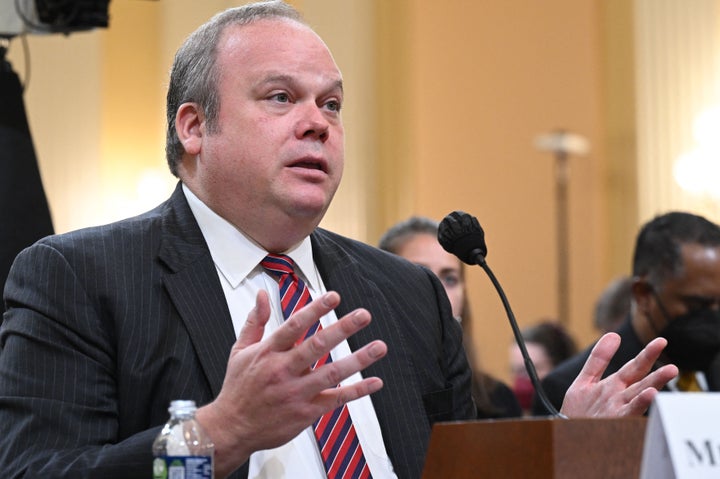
(58, 390)
(432, 378)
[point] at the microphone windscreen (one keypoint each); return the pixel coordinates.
(460, 233)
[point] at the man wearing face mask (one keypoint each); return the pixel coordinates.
(676, 295)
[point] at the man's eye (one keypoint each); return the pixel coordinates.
(281, 97)
(333, 105)
(450, 280)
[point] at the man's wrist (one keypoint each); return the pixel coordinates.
(231, 451)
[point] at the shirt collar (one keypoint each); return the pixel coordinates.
(235, 254)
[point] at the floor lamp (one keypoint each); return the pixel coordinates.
(562, 145)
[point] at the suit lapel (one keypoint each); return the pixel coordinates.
(194, 288)
(342, 272)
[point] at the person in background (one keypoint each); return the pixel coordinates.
(548, 344)
(613, 305)
(415, 239)
(105, 326)
(675, 296)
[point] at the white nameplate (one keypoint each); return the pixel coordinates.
(682, 439)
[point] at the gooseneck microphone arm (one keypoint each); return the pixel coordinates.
(529, 366)
(461, 234)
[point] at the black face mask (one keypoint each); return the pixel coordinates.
(693, 339)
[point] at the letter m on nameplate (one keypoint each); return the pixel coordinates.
(702, 454)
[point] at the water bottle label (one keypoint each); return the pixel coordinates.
(182, 467)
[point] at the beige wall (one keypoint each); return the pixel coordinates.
(483, 79)
(444, 101)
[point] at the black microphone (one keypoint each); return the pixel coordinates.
(460, 233)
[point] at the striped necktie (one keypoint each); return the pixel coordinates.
(339, 446)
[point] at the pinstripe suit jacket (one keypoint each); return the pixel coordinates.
(104, 326)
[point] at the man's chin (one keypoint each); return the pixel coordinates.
(311, 205)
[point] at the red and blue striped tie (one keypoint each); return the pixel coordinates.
(334, 431)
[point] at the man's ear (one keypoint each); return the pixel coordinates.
(642, 294)
(190, 126)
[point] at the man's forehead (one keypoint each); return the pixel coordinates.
(700, 254)
(270, 33)
(267, 42)
(699, 270)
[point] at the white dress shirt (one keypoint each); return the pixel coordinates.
(237, 259)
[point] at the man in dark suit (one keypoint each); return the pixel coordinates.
(105, 326)
(676, 295)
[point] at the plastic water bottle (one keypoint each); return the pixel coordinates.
(182, 450)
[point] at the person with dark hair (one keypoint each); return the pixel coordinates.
(613, 304)
(548, 344)
(229, 294)
(415, 239)
(676, 296)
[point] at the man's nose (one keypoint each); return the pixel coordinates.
(313, 123)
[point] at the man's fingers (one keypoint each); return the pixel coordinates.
(599, 359)
(331, 374)
(640, 403)
(640, 365)
(660, 377)
(655, 381)
(333, 398)
(328, 378)
(294, 328)
(326, 339)
(294, 358)
(649, 387)
(254, 327)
